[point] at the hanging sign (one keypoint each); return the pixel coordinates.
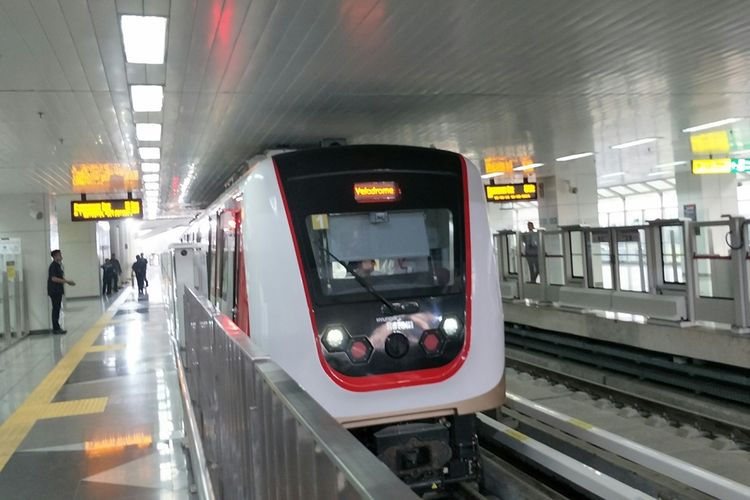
(103, 178)
(105, 209)
(500, 193)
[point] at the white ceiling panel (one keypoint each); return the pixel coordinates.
(544, 78)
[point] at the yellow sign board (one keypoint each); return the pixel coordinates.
(505, 164)
(511, 192)
(710, 142)
(81, 210)
(103, 178)
(712, 166)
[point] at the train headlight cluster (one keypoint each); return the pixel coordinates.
(335, 338)
(451, 326)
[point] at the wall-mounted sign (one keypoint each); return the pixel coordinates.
(103, 178)
(710, 143)
(511, 192)
(376, 192)
(105, 209)
(689, 212)
(720, 166)
(712, 166)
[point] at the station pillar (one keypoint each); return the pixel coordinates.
(568, 195)
(706, 197)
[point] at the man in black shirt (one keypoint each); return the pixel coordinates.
(56, 288)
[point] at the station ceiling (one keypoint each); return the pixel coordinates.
(537, 78)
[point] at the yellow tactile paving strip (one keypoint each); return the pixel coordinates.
(106, 347)
(38, 405)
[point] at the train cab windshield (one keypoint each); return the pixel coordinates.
(398, 253)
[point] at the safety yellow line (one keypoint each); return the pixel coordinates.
(106, 347)
(39, 404)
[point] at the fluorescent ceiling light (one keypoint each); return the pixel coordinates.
(635, 143)
(652, 174)
(660, 185)
(706, 126)
(149, 153)
(616, 174)
(150, 178)
(144, 38)
(494, 174)
(149, 98)
(574, 157)
(151, 186)
(148, 131)
(640, 187)
(150, 168)
(673, 164)
(741, 152)
(530, 166)
(605, 193)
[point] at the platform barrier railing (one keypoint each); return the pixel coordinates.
(14, 322)
(676, 270)
(256, 433)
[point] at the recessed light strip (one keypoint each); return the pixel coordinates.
(638, 142)
(672, 164)
(575, 156)
(491, 175)
(616, 174)
(530, 166)
(706, 126)
(144, 38)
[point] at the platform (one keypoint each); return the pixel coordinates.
(719, 345)
(95, 413)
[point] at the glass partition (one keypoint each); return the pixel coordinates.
(713, 261)
(632, 264)
(553, 258)
(576, 253)
(600, 264)
(509, 258)
(673, 254)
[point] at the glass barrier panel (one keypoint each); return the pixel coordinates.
(553, 258)
(600, 275)
(673, 254)
(511, 244)
(530, 253)
(632, 264)
(576, 253)
(713, 262)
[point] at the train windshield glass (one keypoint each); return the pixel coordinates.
(399, 253)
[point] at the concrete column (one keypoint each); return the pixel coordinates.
(27, 216)
(712, 195)
(568, 194)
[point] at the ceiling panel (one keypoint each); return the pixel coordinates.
(544, 78)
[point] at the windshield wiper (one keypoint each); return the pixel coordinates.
(365, 284)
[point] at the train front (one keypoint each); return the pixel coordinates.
(395, 257)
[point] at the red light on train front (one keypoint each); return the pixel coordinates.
(359, 350)
(432, 342)
(376, 192)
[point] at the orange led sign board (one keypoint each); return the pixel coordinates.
(712, 166)
(710, 142)
(511, 192)
(376, 192)
(103, 178)
(86, 210)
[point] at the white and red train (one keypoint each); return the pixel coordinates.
(368, 274)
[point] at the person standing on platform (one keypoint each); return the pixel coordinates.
(145, 269)
(107, 272)
(531, 250)
(139, 269)
(56, 288)
(116, 273)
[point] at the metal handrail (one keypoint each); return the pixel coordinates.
(263, 436)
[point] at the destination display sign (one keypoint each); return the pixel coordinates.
(103, 178)
(93, 210)
(500, 193)
(376, 192)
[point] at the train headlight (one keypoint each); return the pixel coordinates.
(451, 326)
(335, 338)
